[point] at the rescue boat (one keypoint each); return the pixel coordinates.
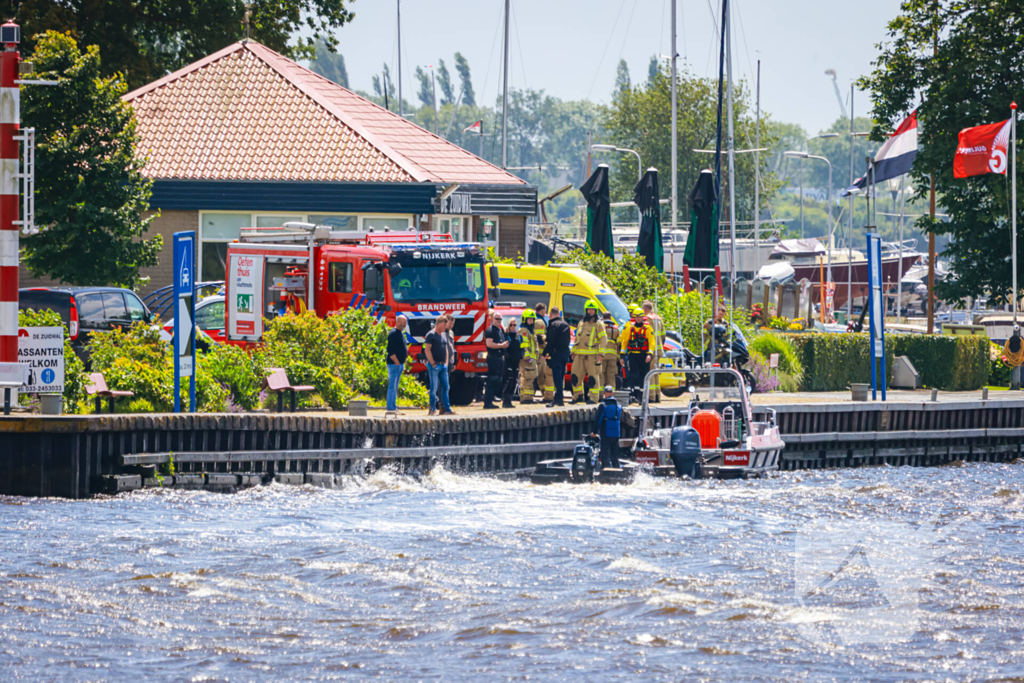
(716, 436)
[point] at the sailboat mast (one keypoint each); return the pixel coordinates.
(675, 165)
(757, 175)
(730, 145)
(504, 98)
(401, 112)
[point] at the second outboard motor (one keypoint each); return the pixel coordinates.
(684, 451)
(586, 459)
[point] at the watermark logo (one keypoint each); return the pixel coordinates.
(858, 582)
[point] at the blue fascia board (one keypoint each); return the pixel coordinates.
(291, 195)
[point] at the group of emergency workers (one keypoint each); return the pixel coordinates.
(599, 353)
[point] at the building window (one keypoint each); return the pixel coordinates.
(278, 220)
(215, 231)
(393, 223)
(336, 221)
(486, 230)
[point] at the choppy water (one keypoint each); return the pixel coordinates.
(471, 579)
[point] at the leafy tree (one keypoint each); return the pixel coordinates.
(639, 119)
(976, 71)
(90, 190)
(444, 80)
(426, 91)
(622, 82)
(145, 40)
(378, 88)
(330, 65)
(465, 81)
(653, 69)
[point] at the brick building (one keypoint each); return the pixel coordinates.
(249, 138)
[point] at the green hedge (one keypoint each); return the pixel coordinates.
(951, 363)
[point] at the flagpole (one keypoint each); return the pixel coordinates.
(1013, 201)
(675, 162)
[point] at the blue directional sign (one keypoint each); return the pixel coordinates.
(876, 309)
(184, 314)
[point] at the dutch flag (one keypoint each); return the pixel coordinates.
(895, 157)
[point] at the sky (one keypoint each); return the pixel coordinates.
(570, 48)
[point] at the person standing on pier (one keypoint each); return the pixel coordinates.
(637, 345)
(397, 352)
(610, 356)
(556, 354)
(436, 348)
(544, 377)
(658, 327)
(496, 341)
(529, 356)
(586, 355)
(513, 356)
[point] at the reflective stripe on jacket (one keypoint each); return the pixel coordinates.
(590, 338)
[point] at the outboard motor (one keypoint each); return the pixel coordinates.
(586, 458)
(684, 451)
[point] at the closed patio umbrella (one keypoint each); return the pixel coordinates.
(599, 212)
(649, 244)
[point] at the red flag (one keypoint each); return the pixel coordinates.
(475, 128)
(982, 150)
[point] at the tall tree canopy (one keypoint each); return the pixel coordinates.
(639, 117)
(145, 40)
(90, 192)
(444, 82)
(976, 72)
(465, 81)
(330, 65)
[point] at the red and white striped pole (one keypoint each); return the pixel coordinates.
(10, 115)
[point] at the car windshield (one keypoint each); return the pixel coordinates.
(439, 282)
(614, 305)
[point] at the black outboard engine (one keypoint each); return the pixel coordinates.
(586, 458)
(684, 451)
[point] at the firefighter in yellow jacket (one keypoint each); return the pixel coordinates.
(610, 357)
(530, 353)
(586, 354)
(657, 326)
(637, 344)
(545, 379)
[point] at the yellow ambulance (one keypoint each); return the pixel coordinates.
(567, 287)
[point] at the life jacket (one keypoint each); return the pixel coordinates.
(638, 342)
(612, 415)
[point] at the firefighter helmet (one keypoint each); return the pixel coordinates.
(636, 310)
(591, 305)
(528, 313)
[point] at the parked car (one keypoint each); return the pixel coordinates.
(87, 309)
(209, 319)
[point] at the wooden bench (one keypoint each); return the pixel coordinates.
(278, 381)
(97, 387)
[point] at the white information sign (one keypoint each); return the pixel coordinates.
(245, 304)
(42, 349)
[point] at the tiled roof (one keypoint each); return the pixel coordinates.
(248, 113)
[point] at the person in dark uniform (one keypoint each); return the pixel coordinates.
(607, 425)
(496, 341)
(556, 353)
(513, 354)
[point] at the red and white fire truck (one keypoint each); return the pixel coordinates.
(416, 274)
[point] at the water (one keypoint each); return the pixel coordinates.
(462, 578)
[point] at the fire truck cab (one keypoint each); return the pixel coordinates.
(420, 275)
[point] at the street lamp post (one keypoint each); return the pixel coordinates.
(805, 155)
(639, 165)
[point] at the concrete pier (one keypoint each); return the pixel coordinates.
(79, 456)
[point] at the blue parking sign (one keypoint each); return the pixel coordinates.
(184, 314)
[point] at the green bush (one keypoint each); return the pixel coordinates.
(629, 276)
(690, 311)
(950, 363)
(239, 371)
(946, 362)
(767, 343)
(832, 362)
(75, 377)
(137, 360)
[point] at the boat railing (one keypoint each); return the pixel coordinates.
(730, 429)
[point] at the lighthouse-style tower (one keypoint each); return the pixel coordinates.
(10, 115)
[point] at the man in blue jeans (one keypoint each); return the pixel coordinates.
(435, 346)
(397, 353)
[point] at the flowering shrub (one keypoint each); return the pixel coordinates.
(766, 382)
